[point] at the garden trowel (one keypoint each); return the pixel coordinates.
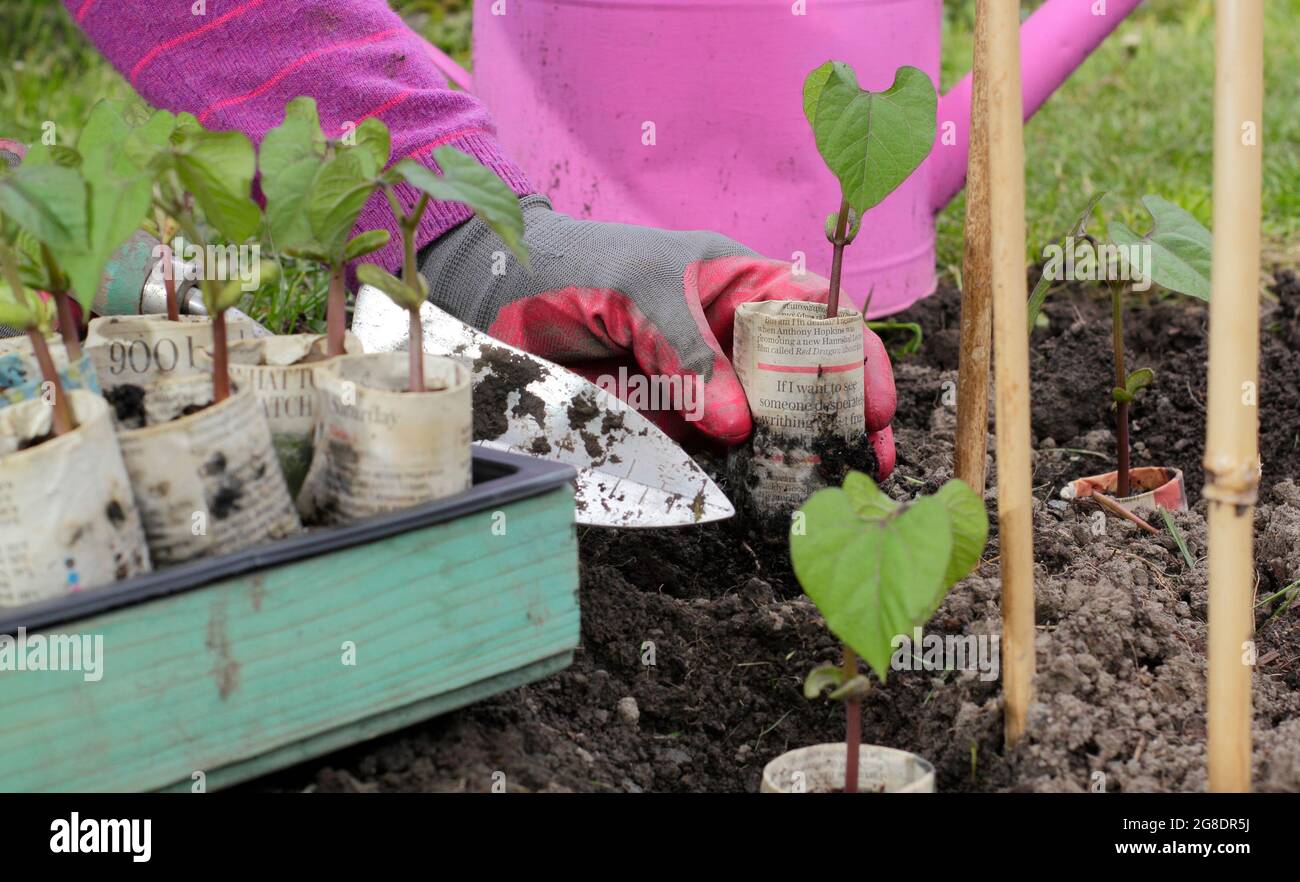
(630, 474)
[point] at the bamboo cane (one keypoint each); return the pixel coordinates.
(1006, 188)
(1231, 442)
(976, 296)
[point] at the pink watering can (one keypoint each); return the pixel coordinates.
(687, 114)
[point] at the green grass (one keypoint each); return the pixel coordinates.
(1136, 118)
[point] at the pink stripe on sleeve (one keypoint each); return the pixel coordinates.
(183, 38)
(283, 72)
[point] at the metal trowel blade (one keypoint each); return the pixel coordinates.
(630, 474)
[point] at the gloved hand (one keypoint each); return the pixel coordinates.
(660, 301)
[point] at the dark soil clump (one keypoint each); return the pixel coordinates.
(35, 441)
(128, 405)
(502, 372)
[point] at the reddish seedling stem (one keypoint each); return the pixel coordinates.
(169, 284)
(63, 420)
(1121, 407)
(415, 347)
(68, 325)
(220, 359)
(336, 313)
(837, 259)
(853, 725)
(410, 275)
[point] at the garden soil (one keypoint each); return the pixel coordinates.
(695, 642)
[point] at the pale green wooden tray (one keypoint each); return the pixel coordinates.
(234, 666)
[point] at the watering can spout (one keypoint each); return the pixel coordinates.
(1053, 42)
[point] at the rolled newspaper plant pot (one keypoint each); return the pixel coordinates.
(803, 376)
(70, 521)
(280, 371)
(1156, 487)
(20, 375)
(138, 349)
(380, 447)
(205, 475)
(820, 769)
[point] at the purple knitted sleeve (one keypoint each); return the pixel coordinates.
(235, 63)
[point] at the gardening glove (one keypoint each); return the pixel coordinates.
(660, 301)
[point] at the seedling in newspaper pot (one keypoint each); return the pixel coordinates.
(314, 191)
(1174, 254)
(141, 153)
(801, 364)
(198, 449)
(876, 569)
(419, 450)
(60, 234)
(68, 520)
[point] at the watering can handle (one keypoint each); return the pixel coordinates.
(450, 69)
(1054, 40)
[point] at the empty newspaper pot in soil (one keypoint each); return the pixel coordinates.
(20, 374)
(1156, 488)
(820, 769)
(89, 535)
(280, 371)
(138, 349)
(205, 476)
(380, 447)
(802, 374)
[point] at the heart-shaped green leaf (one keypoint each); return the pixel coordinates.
(870, 566)
(876, 568)
(1179, 248)
(217, 168)
(464, 179)
(871, 141)
(50, 202)
(338, 193)
(289, 158)
(970, 529)
(120, 195)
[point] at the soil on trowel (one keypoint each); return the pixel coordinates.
(501, 373)
(695, 642)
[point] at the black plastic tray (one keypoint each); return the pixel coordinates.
(499, 479)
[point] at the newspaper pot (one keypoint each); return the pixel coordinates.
(820, 769)
(205, 475)
(280, 371)
(380, 448)
(56, 543)
(803, 375)
(20, 374)
(1154, 487)
(138, 349)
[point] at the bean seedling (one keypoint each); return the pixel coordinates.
(1174, 253)
(463, 180)
(876, 568)
(870, 141)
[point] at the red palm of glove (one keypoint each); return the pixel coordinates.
(602, 333)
